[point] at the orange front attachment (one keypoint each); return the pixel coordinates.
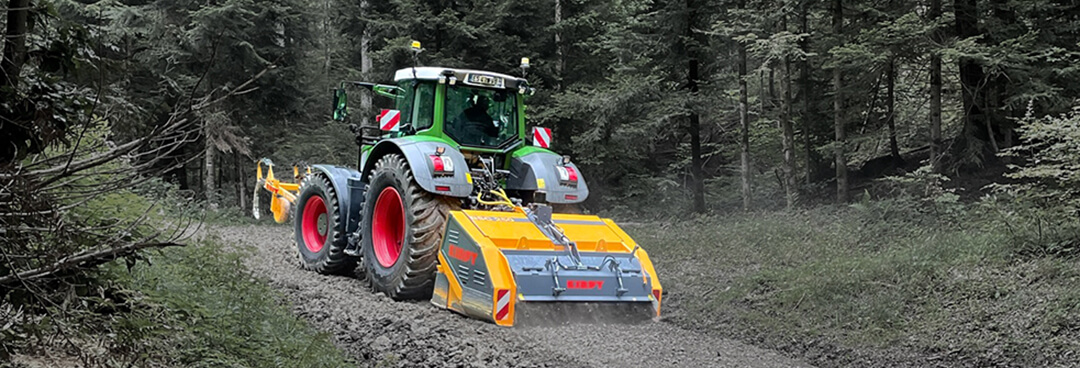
(489, 233)
(512, 230)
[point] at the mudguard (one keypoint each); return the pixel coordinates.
(416, 150)
(535, 171)
(349, 202)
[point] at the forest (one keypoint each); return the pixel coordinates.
(722, 105)
(127, 124)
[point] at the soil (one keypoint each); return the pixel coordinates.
(377, 331)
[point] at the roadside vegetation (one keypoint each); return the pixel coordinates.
(915, 278)
(885, 282)
(192, 303)
(201, 307)
(194, 306)
(116, 278)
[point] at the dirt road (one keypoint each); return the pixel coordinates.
(378, 331)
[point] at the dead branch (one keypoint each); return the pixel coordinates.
(83, 260)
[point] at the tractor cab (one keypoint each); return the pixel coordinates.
(477, 110)
(463, 134)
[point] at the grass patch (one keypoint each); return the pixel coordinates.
(199, 306)
(964, 286)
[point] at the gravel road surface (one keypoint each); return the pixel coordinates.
(377, 331)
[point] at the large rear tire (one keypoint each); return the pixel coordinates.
(403, 228)
(319, 230)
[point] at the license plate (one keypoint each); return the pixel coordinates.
(485, 80)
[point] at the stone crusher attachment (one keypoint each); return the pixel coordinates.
(520, 266)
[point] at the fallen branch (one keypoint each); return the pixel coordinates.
(84, 259)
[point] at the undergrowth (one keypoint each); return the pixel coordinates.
(986, 284)
(205, 309)
(196, 306)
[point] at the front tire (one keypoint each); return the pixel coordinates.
(403, 229)
(319, 230)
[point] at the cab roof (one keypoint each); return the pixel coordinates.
(434, 72)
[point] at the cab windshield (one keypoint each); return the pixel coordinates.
(480, 117)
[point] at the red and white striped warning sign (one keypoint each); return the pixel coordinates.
(390, 120)
(542, 137)
(502, 304)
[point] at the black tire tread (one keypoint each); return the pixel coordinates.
(430, 213)
(334, 261)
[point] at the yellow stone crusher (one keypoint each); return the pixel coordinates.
(453, 200)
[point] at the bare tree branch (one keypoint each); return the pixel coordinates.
(83, 260)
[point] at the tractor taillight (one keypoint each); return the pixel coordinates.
(442, 165)
(567, 174)
(571, 197)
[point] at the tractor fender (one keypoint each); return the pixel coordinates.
(350, 195)
(417, 152)
(536, 171)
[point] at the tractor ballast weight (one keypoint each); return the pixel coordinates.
(450, 202)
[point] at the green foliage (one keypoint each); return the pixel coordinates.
(922, 191)
(1050, 157)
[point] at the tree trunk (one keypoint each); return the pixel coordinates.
(976, 124)
(367, 114)
(838, 111)
(890, 97)
(18, 15)
(560, 61)
(695, 119)
(241, 189)
(786, 126)
(14, 133)
(763, 94)
(327, 26)
(998, 111)
(210, 176)
(695, 153)
(772, 86)
(744, 128)
(935, 91)
(804, 91)
(182, 178)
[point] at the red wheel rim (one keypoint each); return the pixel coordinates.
(388, 227)
(314, 223)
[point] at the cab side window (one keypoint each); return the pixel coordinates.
(423, 107)
(405, 101)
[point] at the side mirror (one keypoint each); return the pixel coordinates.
(340, 104)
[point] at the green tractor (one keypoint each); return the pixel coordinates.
(453, 198)
(453, 135)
